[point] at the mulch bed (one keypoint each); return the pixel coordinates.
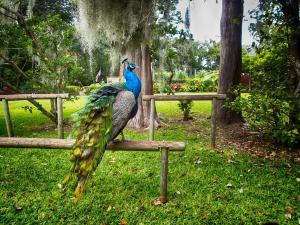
(239, 136)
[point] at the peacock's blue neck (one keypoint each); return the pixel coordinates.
(133, 82)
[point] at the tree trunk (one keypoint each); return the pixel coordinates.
(231, 57)
(170, 91)
(291, 13)
(143, 60)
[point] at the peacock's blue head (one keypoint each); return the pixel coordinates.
(131, 66)
(133, 82)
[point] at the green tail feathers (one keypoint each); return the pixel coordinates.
(93, 125)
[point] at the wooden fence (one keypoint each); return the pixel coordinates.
(201, 97)
(150, 146)
(17, 97)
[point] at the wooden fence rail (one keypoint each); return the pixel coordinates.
(17, 97)
(151, 146)
(201, 97)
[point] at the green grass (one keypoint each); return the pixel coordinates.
(126, 184)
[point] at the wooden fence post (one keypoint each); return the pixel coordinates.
(7, 118)
(213, 123)
(164, 175)
(60, 121)
(151, 123)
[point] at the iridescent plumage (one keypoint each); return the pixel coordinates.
(104, 116)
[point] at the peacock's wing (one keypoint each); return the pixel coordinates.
(93, 129)
(124, 108)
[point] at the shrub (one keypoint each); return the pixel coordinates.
(271, 106)
(185, 106)
(207, 82)
(192, 85)
(73, 90)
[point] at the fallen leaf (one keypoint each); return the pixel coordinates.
(123, 222)
(205, 216)
(288, 216)
(197, 160)
(241, 190)
(220, 196)
(288, 165)
(109, 208)
(230, 161)
(229, 185)
(157, 202)
(18, 208)
(178, 192)
(290, 210)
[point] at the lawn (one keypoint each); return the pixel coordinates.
(205, 186)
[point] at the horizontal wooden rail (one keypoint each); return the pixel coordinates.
(184, 97)
(33, 96)
(68, 144)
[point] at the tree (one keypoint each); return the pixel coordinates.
(230, 60)
(45, 60)
(273, 104)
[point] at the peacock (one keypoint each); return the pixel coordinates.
(102, 119)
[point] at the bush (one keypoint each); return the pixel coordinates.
(271, 107)
(192, 85)
(207, 82)
(73, 90)
(186, 107)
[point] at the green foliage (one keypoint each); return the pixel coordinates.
(46, 8)
(206, 82)
(185, 106)
(59, 66)
(73, 90)
(47, 49)
(271, 107)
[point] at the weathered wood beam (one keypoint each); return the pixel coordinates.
(164, 175)
(60, 120)
(68, 144)
(151, 122)
(7, 118)
(184, 97)
(33, 96)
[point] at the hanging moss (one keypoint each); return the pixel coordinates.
(122, 22)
